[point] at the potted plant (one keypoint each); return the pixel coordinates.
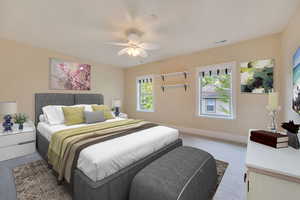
(20, 119)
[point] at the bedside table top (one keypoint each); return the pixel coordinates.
(123, 115)
(27, 128)
(283, 161)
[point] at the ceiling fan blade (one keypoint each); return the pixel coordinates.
(149, 46)
(122, 51)
(143, 53)
(118, 44)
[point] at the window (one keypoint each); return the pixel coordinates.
(145, 94)
(216, 96)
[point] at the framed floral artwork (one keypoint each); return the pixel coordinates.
(65, 75)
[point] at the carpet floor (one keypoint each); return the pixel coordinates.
(232, 186)
(35, 181)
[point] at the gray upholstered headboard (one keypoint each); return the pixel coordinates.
(44, 99)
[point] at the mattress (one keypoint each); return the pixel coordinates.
(103, 159)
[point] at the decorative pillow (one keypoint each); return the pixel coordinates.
(93, 117)
(105, 109)
(73, 115)
(53, 114)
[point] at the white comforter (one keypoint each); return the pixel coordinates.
(103, 159)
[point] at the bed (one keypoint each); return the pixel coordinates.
(102, 172)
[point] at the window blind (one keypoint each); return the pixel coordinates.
(145, 80)
(215, 70)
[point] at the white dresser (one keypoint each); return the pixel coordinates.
(17, 143)
(272, 174)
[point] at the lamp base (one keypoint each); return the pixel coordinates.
(273, 124)
(117, 111)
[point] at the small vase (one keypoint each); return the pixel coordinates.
(293, 140)
(21, 126)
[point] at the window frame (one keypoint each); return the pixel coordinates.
(229, 65)
(138, 92)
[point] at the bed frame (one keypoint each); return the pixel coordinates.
(113, 187)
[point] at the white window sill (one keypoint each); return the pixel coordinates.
(216, 117)
(138, 110)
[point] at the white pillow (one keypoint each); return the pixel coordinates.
(54, 114)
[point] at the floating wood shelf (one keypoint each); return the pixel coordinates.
(163, 87)
(185, 73)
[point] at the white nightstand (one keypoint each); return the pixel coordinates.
(272, 174)
(17, 143)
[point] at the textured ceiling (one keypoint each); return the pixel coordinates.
(83, 28)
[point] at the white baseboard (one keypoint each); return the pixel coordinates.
(212, 134)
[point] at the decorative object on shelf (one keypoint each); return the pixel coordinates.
(69, 75)
(296, 81)
(273, 108)
(6, 110)
(20, 119)
(116, 105)
(174, 86)
(292, 132)
(163, 76)
(257, 76)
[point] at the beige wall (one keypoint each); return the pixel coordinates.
(290, 42)
(178, 108)
(24, 70)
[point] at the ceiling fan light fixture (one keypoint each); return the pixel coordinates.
(134, 46)
(131, 51)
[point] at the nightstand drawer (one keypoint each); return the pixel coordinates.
(15, 139)
(10, 152)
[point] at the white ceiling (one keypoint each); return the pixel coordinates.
(82, 28)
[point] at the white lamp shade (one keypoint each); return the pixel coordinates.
(8, 108)
(273, 101)
(117, 103)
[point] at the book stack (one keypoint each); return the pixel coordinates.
(271, 139)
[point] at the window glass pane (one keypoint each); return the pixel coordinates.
(211, 102)
(210, 108)
(145, 98)
(146, 103)
(210, 105)
(215, 95)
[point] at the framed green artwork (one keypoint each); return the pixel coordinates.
(257, 76)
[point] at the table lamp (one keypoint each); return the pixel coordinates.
(117, 104)
(6, 110)
(273, 107)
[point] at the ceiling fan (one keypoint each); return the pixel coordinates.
(134, 46)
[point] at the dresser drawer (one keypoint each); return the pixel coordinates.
(15, 151)
(15, 139)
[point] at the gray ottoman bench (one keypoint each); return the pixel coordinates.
(185, 173)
